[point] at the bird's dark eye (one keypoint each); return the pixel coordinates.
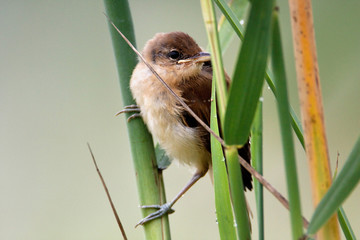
(174, 54)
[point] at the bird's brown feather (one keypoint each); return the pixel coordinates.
(199, 102)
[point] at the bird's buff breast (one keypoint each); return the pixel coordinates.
(161, 116)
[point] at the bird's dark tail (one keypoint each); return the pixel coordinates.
(245, 153)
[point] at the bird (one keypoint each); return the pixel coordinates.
(187, 70)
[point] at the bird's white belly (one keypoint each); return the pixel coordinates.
(180, 142)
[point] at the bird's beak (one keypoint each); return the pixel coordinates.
(200, 57)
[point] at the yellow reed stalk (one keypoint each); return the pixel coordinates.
(311, 108)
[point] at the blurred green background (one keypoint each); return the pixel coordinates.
(59, 90)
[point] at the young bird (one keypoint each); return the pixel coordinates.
(183, 65)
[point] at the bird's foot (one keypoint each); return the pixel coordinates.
(130, 109)
(162, 210)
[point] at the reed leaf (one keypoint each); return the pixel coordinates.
(286, 132)
(224, 214)
(233, 166)
(208, 11)
(257, 162)
(226, 30)
(345, 225)
(249, 74)
(234, 21)
(237, 193)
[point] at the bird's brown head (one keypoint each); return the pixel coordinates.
(176, 52)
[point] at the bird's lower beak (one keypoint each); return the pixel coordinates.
(200, 57)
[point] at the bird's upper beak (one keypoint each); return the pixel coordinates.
(200, 57)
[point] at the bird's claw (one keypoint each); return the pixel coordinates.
(135, 115)
(129, 109)
(162, 210)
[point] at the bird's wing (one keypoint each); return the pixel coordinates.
(199, 102)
